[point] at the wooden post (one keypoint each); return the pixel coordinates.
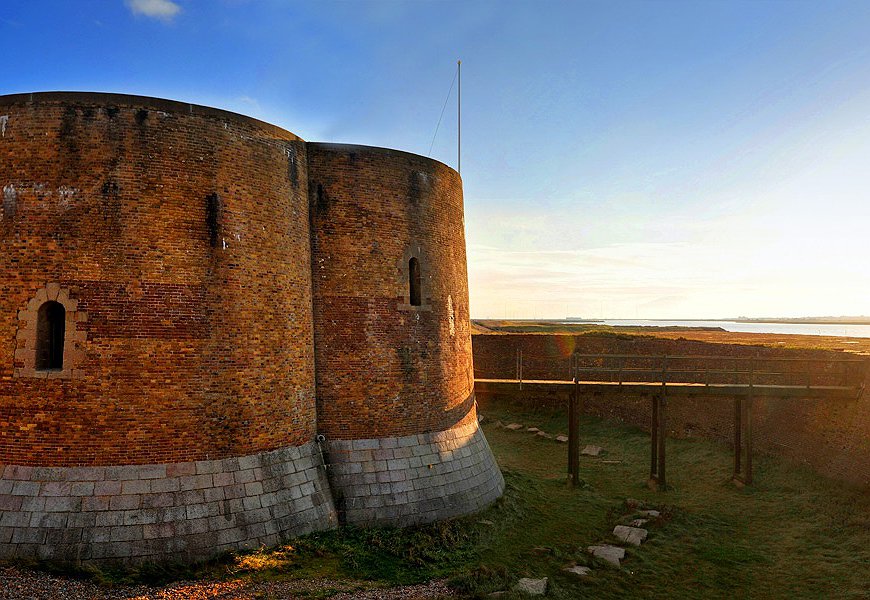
(662, 434)
(658, 435)
(738, 431)
(747, 477)
(660, 476)
(574, 436)
(743, 432)
(654, 441)
(521, 369)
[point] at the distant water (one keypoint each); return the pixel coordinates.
(828, 329)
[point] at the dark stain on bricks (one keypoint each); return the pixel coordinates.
(69, 139)
(110, 205)
(321, 201)
(415, 190)
(406, 360)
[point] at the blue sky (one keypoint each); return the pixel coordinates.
(620, 159)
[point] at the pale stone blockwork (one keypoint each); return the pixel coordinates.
(188, 510)
(413, 479)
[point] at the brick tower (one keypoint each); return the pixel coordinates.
(214, 335)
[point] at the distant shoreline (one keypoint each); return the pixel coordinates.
(783, 320)
(810, 320)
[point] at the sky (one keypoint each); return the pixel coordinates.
(620, 159)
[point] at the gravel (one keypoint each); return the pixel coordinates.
(23, 584)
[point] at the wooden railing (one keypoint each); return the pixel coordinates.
(740, 378)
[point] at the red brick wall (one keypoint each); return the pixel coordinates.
(831, 436)
(385, 368)
(193, 351)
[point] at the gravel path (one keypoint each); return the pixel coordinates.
(22, 584)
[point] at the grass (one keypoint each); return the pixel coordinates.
(792, 535)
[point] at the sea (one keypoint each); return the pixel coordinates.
(826, 329)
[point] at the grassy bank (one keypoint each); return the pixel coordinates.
(700, 334)
(793, 535)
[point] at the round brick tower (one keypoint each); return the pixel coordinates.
(395, 384)
(167, 360)
(178, 416)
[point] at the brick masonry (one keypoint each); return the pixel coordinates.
(183, 234)
(185, 511)
(231, 292)
(386, 368)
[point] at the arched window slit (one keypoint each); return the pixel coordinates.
(50, 334)
(414, 282)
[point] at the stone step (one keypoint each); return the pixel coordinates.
(607, 553)
(532, 587)
(630, 535)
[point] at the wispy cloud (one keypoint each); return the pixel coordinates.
(157, 9)
(251, 104)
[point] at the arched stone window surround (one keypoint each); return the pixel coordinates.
(414, 250)
(26, 338)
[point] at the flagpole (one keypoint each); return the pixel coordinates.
(459, 117)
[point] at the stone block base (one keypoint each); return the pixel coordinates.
(183, 511)
(413, 479)
(194, 510)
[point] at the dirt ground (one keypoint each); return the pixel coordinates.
(19, 583)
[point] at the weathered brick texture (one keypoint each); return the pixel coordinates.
(193, 351)
(207, 262)
(386, 368)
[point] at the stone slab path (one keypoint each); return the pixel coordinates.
(578, 570)
(630, 535)
(607, 553)
(532, 587)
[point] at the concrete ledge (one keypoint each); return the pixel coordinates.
(413, 479)
(183, 511)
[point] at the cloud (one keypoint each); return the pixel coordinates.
(250, 103)
(158, 9)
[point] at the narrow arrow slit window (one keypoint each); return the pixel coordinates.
(414, 278)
